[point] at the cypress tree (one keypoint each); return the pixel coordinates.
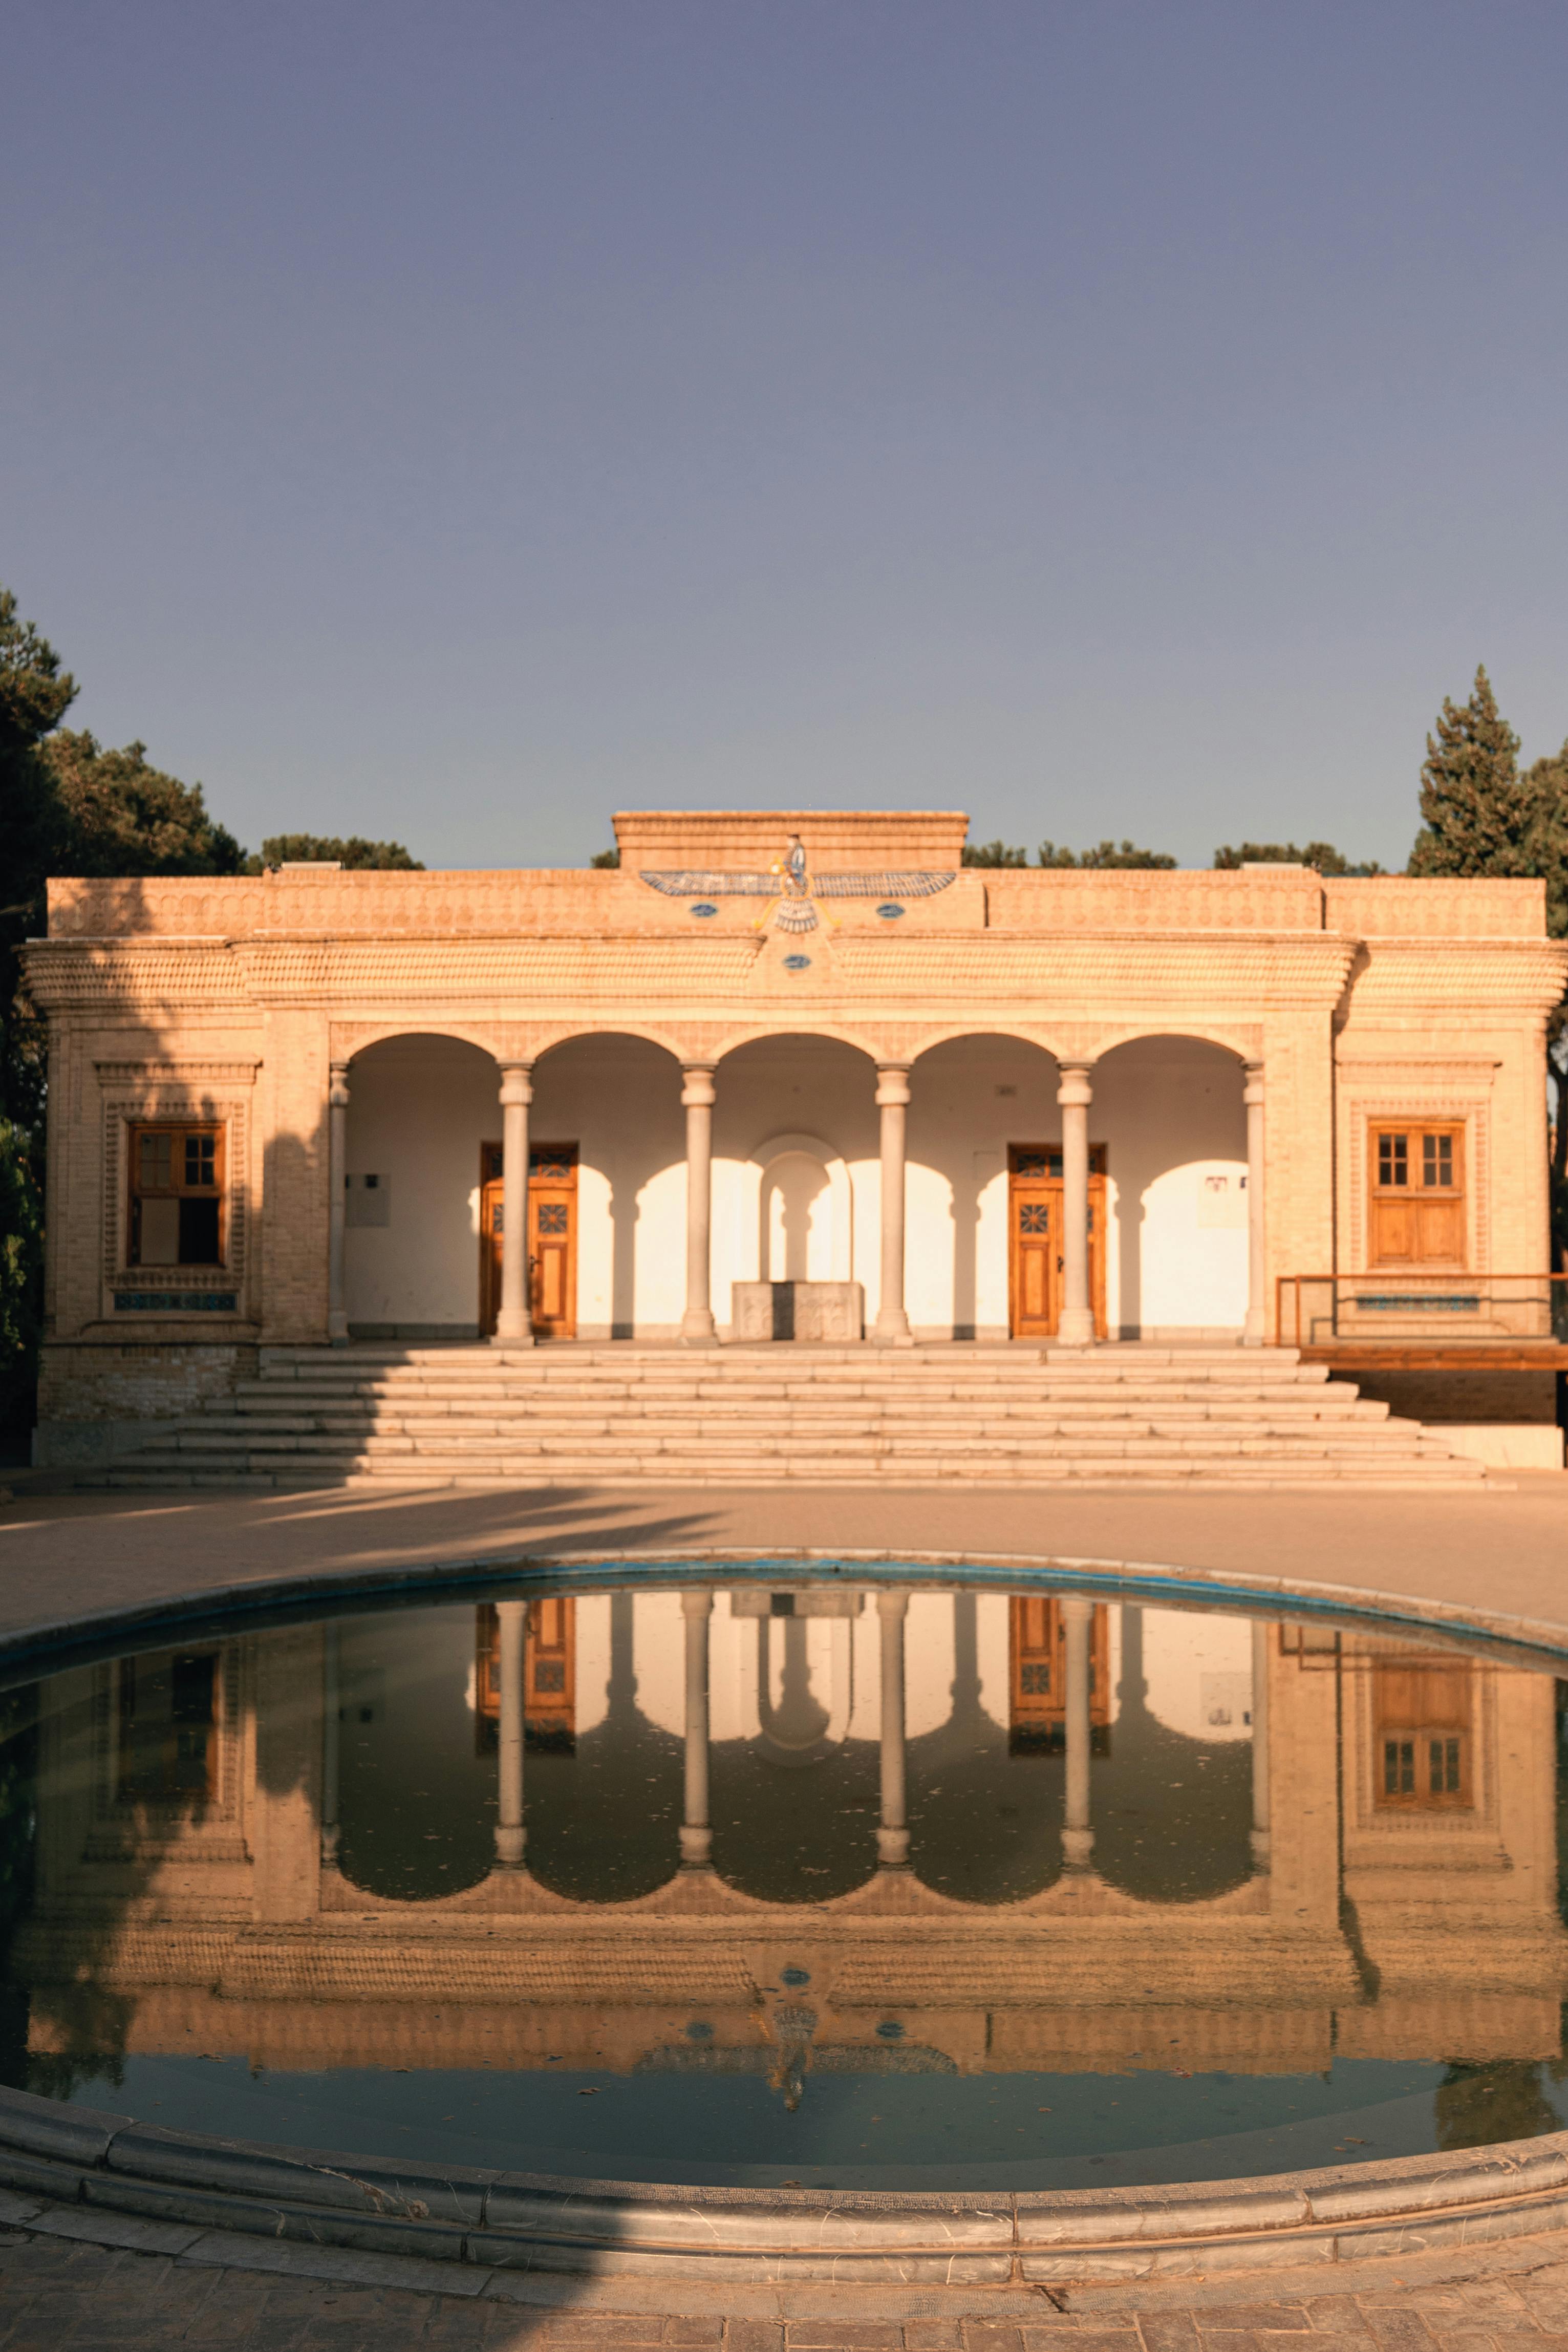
(1480, 813)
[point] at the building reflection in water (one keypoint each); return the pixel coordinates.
(805, 1828)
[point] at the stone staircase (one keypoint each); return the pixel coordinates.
(475, 1415)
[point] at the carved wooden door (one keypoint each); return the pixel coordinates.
(1034, 1238)
(552, 1239)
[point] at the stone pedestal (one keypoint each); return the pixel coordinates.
(797, 1310)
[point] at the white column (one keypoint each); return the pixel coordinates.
(697, 1325)
(892, 1835)
(510, 1835)
(1263, 1647)
(337, 1204)
(1077, 1837)
(891, 1328)
(697, 1830)
(331, 1746)
(1075, 1325)
(514, 1322)
(1257, 1300)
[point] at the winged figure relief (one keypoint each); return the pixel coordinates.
(792, 887)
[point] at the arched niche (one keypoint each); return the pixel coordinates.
(1168, 1107)
(423, 1105)
(805, 1209)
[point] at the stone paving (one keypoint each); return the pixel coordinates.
(57, 2297)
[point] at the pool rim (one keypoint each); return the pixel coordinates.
(548, 2224)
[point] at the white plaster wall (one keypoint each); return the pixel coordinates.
(419, 1110)
(1170, 1113)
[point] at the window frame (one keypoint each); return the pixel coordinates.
(1416, 1131)
(180, 1130)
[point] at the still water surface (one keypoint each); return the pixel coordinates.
(826, 1883)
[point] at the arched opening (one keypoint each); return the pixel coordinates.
(606, 1122)
(1170, 1109)
(422, 1109)
(981, 1109)
(796, 1172)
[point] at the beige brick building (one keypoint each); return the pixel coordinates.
(739, 1091)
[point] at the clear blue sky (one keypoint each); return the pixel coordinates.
(456, 422)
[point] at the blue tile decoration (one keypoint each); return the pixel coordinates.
(175, 1302)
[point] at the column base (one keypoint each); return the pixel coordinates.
(699, 1329)
(696, 1848)
(1077, 1845)
(336, 1331)
(1252, 1330)
(509, 1844)
(1076, 1328)
(512, 1330)
(1261, 1849)
(893, 1849)
(891, 1330)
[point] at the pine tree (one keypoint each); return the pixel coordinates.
(1480, 813)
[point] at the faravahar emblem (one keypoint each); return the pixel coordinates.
(792, 888)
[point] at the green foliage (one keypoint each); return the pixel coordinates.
(1321, 854)
(606, 859)
(1108, 854)
(993, 853)
(1478, 810)
(21, 1275)
(355, 853)
(122, 816)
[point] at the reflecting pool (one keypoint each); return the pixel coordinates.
(785, 1879)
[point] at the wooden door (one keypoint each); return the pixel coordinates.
(552, 1238)
(1034, 1238)
(1416, 1189)
(1037, 1655)
(549, 1674)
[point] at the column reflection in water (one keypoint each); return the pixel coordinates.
(1077, 1837)
(893, 1834)
(510, 1834)
(696, 1831)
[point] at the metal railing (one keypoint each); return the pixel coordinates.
(1428, 1309)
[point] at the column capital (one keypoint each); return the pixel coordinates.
(891, 1083)
(891, 1604)
(516, 1083)
(696, 1601)
(1076, 1609)
(338, 1087)
(1252, 1092)
(696, 1086)
(1074, 1084)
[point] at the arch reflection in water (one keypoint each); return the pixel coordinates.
(841, 1885)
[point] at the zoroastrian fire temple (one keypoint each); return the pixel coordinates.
(793, 1076)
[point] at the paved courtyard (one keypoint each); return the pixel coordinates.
(1505, 1550)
